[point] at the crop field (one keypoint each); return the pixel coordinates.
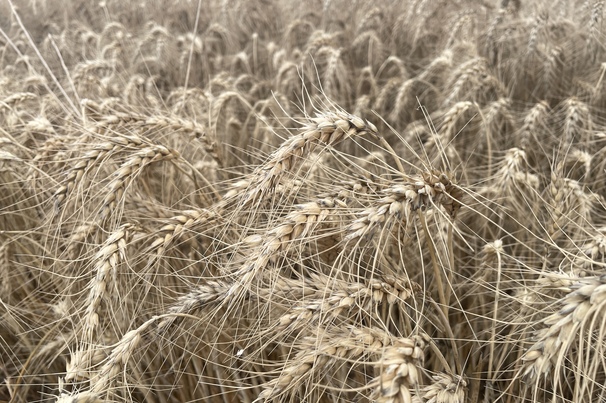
(302, 201)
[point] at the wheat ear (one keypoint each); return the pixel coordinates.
(129, 170)
(106, 261)
(446, 388)
(398, 371)
(580, 307)
(432, 188)
(326, 129)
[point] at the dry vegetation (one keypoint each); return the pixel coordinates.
(247, 201)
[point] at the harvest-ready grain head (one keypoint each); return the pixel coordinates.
(319, 201)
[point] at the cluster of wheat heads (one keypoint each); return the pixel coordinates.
(302, 201)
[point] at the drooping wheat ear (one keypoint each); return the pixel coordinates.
(577, 124)
(537, 25)
(492, 268)
(327, 129)
(399, 202)
(111, 254)
(362, 105)
(191, 127)
(75, 174)
(334, 74)
(135, 91)
(404, 96)
(287, 77)
(462, 19)
(597, 96)
(573, 337)
(45, 153)
(513, 182)
(334, 297)
(99, 153)
(398, 370)
(297, 33)
(445, 389)
(186, 221)
(369, 49)
(151, 207)
(190, 221)
(297, 224)
(372, 20)
(570, 207)
(96, 68)
(318, 39)
(386, 98)
(42, 125)
(555, 64)
(213, 291)
(436, 72)
(448, 129)
(5, 275)
(593, 252)
(594, 20)
(491, 33)
(81, 362)
(111, 31)
(220, 103)
(16, 99)
(534, 126)
(36, 83)
(465, 80)
(392, 67)
(186, 101)
(537, 301)
(78, 238)
(514, 161)
(129, 171)
(577, 165)
(120, 354)
(352, 343)
(498, 117)
(163, 124)
(366, 83)
(155, 38)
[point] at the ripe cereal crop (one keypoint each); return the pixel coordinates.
(318, 201)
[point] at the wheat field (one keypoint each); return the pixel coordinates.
(302, 201)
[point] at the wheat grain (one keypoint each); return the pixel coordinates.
(445, 389)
